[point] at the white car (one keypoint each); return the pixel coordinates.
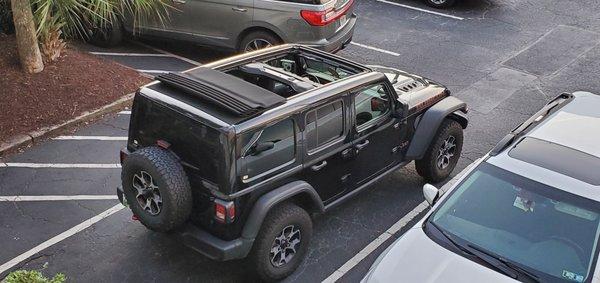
(527, 211)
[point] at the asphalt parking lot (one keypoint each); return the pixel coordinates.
(505, 58)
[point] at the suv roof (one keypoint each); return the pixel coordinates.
(562, 149)
(236, 98)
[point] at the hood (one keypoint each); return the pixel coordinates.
(416, 258)
(415, 91)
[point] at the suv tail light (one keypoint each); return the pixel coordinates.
(122, 155)
(224, 211)
(323, 18)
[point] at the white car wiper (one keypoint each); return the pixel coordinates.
(500, 264)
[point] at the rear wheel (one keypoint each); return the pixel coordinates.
(258, 40)
(157, 188)
(282, 242)
(440, 3)
(443, 153)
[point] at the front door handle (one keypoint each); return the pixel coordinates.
(319, 166)
(237, 9)
(362, 145)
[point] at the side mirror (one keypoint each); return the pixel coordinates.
(431, 193)
(263, 146)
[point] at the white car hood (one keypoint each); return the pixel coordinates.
(416, 258)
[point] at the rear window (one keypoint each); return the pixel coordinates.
(558, 158)
(324, 124)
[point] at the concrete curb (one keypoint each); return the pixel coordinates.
(22, 140)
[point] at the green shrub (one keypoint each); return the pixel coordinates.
(32, 276)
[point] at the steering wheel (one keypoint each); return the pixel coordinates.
(578, 249)
(313, 78)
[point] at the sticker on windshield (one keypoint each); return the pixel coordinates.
(524, 203)
(572, 276)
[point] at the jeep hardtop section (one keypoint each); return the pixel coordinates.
(227, 123)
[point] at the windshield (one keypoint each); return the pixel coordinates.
(545, 230)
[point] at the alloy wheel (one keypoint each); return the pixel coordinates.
(284, 246)
(446, 152)
(148, 195)
(256, 44)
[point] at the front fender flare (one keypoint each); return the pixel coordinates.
(431, 121)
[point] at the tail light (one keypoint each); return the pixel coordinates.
(224, 211)
(122, 155)
(323, 18)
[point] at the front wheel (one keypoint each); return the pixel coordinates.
(282, 242)
(440, 3)
(443, 153)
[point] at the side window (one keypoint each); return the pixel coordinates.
(269, 148)
(371, 103)
(324, 124)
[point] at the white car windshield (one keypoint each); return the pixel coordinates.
(547, 231)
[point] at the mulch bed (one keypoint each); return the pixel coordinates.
(75, 83)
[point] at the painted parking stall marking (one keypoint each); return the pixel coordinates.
(372, 246)
(125, 112)
(61, 165)
(422, 10)
(375, 48)
(56, 198)
(98, 138)
(60, 237)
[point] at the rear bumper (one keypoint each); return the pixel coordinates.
(338, 41)
(212, 247)
(205, 243)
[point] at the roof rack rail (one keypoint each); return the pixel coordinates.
(231, 93)
(535, 119)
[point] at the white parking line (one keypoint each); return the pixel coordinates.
(372, 246)
(99, 138)
(154, 71)
(422, 10)
(60, 237)
(169, 53)
(60, 165)
(375, 49)
(125, 112)
(56, 198)
(131, 54)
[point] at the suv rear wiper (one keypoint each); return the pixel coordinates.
(500, 264)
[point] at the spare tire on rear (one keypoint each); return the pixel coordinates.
(157, 188)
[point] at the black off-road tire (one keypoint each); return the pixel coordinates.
(174, 187)
(269, 37)
(277, 219)
(440, 4)
(109, 36)
(427, 167)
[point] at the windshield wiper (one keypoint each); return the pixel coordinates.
(509, 264)
(503, 265)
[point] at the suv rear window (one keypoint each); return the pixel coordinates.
(280, 149)
(324, 124)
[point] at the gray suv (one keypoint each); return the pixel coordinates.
(246, 25)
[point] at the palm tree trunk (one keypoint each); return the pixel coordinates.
(27, 43)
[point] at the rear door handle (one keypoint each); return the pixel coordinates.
(243, 10)
(319, 166)
(362, 145)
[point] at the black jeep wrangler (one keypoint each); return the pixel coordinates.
(235, 156)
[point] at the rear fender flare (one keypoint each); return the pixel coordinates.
(269, 200)
(431, 120)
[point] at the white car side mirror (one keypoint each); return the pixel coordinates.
(431, 193)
